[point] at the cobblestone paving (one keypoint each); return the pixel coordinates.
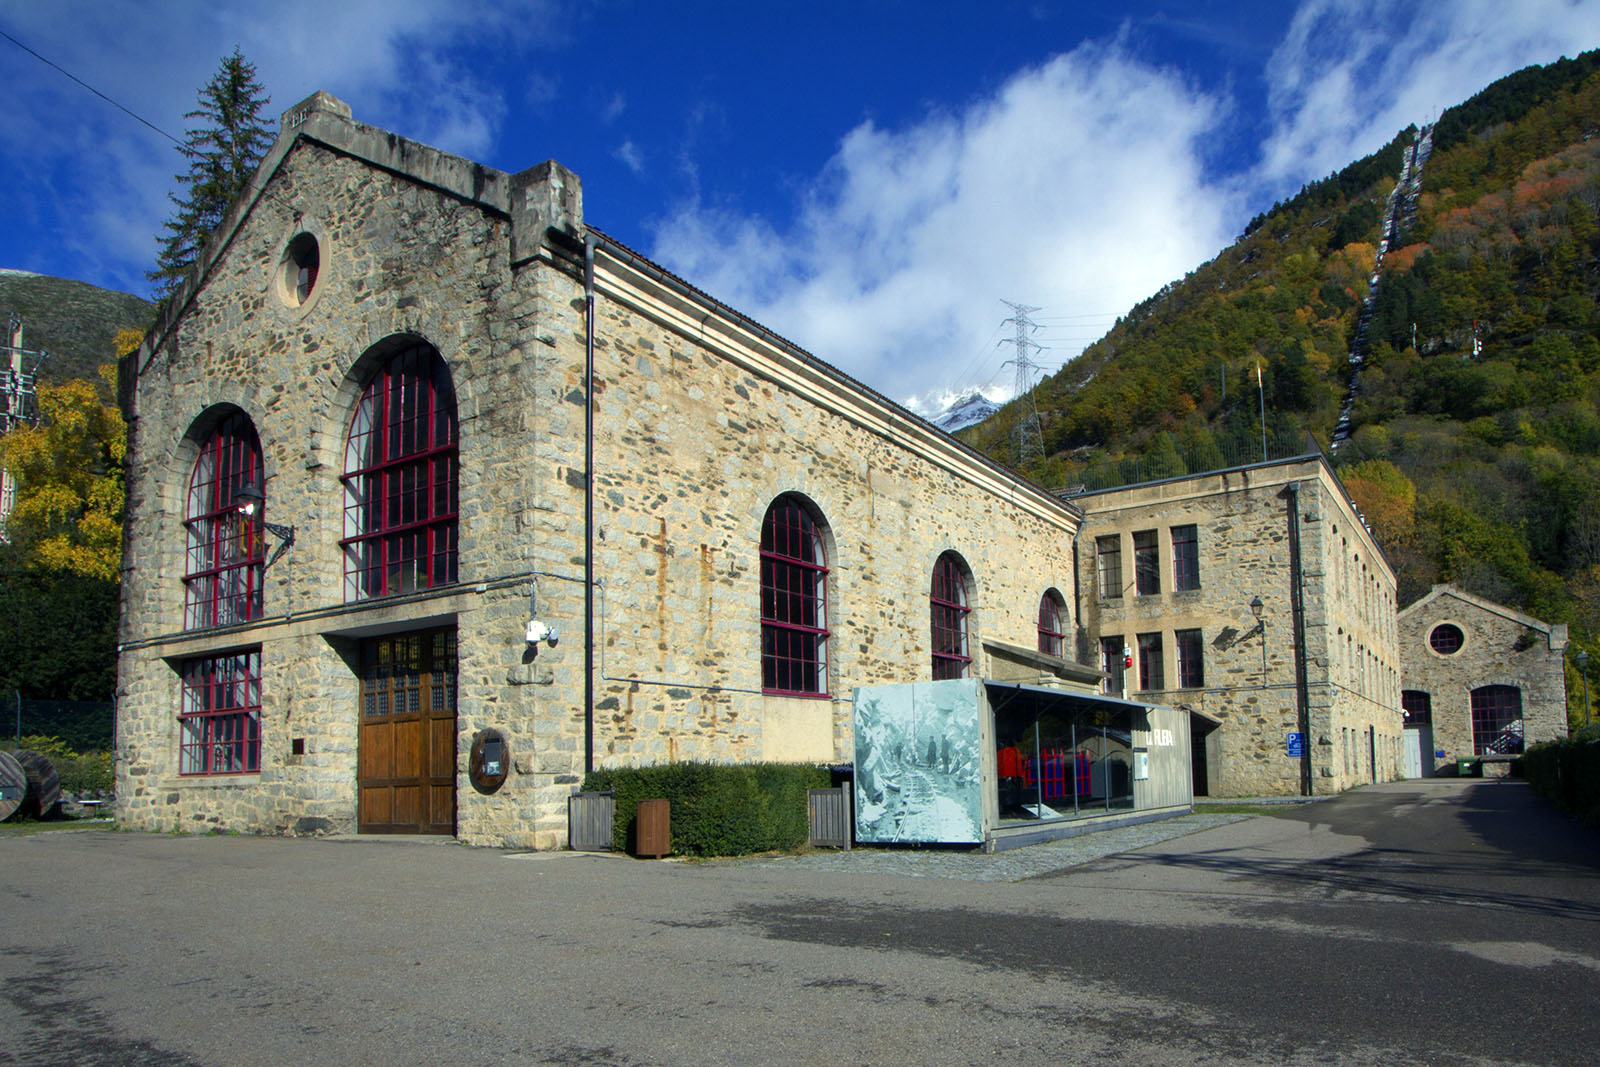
(1014, 865)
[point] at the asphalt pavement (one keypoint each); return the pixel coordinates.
(1434, 922)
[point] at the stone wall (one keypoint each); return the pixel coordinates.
(702, 419)
(1498, 646)
(1243, 525)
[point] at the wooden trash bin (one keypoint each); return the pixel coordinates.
(653, 828)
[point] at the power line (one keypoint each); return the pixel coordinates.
(57, 67)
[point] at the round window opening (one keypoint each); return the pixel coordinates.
(1446, 639)
(301, 262)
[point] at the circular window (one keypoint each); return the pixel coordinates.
(1446, 639)
(297, 275)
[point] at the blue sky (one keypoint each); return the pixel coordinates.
(870, 179)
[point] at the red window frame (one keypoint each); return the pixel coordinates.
(1446, 639)
(1146, 563)
(1152, 671)
(1416, 705)
(794, 601)
(1185, 557)
(1497, 720)
(1108, 565)
(400, 477)
(1111, 661)
(1191, 659)
(225, 557)
(948, 610)
(219, 714)
(1052, 624)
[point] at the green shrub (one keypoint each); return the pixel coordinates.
(718, 809)
(79, 772)
(1567, 771)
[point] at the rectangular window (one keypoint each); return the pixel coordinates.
(1108, 560)
(1152, 675)
(1191, 663)
(1146, 563)
(1111, 661)
(219, 719)
(1185, 557)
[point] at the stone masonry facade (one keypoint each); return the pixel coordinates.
(702, 419)
(1454, 645)
(1247, 699)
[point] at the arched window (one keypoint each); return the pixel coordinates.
(400, 468)
(794, 604)
(1052, 624)
(1496, 719)
(224, 562)
(949, 611)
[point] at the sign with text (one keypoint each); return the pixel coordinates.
(1296, 744)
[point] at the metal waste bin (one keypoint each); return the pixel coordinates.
(1469, 767)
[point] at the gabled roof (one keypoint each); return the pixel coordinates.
(1557, 631)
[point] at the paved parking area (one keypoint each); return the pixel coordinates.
(1449, 922)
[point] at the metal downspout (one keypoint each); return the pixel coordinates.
(1302, 695)
(588, 504)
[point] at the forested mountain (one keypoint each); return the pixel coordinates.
(1474, 401)
(74, 322)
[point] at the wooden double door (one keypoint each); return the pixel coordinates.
(406, 751)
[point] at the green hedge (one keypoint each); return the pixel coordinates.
(1568, 772)
(718, 809)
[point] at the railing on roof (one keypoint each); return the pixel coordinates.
(1114, 474)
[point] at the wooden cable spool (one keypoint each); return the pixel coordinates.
(43, 784)
(13, 785)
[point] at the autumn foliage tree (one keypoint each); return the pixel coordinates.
(68, 510)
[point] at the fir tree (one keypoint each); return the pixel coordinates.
(223, 151)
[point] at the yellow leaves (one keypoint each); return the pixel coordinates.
(1385, 497)
(124, 342)
(68, 509)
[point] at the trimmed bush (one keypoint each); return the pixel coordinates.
(718, 809)
(1568, 772)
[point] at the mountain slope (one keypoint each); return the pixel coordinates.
(73, 321)
(1475, 411)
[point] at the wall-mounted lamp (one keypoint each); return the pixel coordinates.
(1261, 628)
(250, 501)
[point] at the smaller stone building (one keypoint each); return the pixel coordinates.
(1481, 680)
(1256, 599)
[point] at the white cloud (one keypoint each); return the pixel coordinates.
(99, 181)
(1350, 73)
(1081, 175)
(631, 157)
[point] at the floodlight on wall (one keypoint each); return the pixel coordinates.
(251, 502)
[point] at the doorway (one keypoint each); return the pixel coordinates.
(406, 747)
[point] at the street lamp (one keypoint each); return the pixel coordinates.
(1583, 669)
(250, 502)
(1261, 628)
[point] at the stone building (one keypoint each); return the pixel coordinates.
(438, 497)
(1480, 680)
(1255, 598)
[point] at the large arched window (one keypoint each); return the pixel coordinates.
(794, 605)
(949, 610)
(225, 559)
(400, 468)
(1496, 719)
(1052, 624)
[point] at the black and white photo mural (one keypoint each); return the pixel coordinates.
(919, 766)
